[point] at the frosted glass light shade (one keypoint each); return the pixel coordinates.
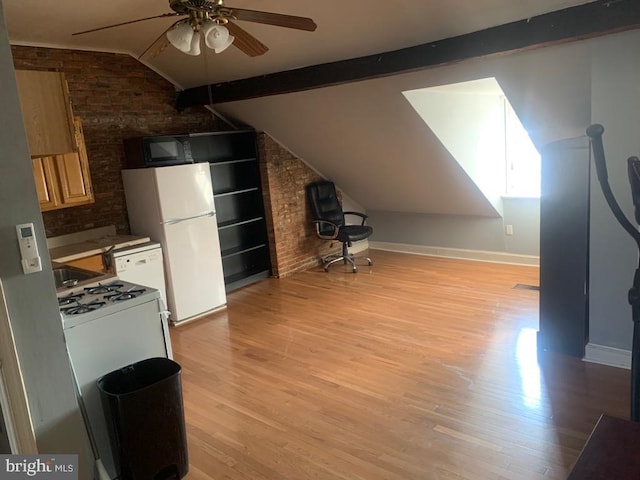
(181, 37)
(195, 45)
(217, 37)
(226, 45)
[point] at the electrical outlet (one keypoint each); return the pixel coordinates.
(508, 230)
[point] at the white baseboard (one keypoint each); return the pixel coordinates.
(614, 357)
(479, 255)
(359, 246)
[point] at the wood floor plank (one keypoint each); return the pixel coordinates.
(416, 368)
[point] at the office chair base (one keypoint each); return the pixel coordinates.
(346, 259)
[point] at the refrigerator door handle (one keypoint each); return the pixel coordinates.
(173, 221)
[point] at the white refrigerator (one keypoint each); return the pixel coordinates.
(174, 206)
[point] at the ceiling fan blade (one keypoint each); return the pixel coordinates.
(172, 14)
(158, 45)
(246, 42)
(277, 19)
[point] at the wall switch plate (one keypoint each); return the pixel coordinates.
(508, 230)
(31, 265)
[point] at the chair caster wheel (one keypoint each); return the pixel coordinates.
(355, 270)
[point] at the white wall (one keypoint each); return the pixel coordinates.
(523, 214)
(471, 126)
(484, 234)
(368, 139)
(31, 299)
(615, 103)
(461, 232)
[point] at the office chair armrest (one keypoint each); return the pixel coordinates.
(323, 236)
(364, 216)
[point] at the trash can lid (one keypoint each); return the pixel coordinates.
(137, 376)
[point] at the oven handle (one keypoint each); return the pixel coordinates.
(164, 321)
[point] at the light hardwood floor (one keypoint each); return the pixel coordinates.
(415, 368)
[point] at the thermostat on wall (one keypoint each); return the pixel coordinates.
(28, 248)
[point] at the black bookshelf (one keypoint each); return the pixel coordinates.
(237, 193)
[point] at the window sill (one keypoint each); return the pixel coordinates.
(521, 197)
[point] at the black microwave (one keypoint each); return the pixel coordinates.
(157, 151)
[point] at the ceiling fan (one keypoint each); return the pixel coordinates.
(213, 21)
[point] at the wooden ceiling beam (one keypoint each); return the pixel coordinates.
(589, 20)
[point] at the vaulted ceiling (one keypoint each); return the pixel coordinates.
(364, 135)
(345, 30)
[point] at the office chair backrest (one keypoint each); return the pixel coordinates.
(323, 200)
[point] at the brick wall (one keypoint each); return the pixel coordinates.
(294, 244)
(116, 97)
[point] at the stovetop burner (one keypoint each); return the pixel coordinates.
(104, 288)
(118, 296)
(69, 299)
(82, 308)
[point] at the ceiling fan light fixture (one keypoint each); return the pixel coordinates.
(210, 18)
(217, 37)
(181, 36)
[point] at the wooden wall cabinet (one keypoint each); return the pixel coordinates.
(64, 180)
(45, 177)
(46, 110)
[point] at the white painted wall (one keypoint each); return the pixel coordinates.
(485, 234)
(369, 140)
(615, 103)
(523, 214)
(461, 232)
(471, 126)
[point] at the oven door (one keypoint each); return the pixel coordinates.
(109, 341)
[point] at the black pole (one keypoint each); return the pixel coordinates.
(634, 301)
(595, 133)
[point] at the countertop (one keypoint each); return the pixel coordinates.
(95, 246)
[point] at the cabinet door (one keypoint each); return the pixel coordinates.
(44, 174)
(73, 172)
(46, 110)
(64, 180)
(73, 187)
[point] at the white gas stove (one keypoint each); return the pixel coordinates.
(107, 326)
(105, 298)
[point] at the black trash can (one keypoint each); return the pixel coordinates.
(145, 418)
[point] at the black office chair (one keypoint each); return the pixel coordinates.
(330, 222)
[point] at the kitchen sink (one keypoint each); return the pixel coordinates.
(68, 277)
